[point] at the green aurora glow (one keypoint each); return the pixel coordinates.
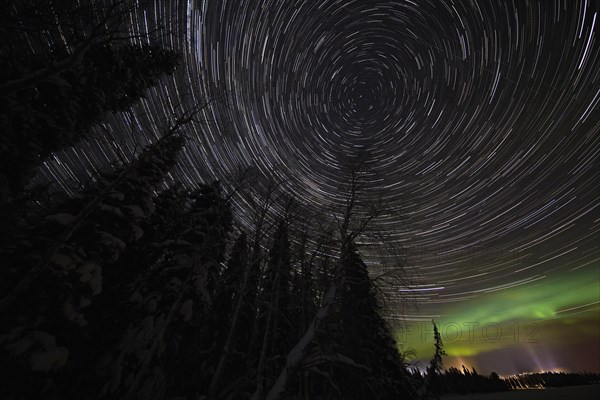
(552, 314)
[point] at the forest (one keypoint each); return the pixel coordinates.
(136, 286)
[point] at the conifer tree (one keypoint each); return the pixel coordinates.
(373, 367)
(315, 350)
(51, 101)
(436, 363)
(168, 346)
(56, 267)
(434, 369)
(110, 315)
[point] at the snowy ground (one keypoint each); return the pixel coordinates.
(589, 392)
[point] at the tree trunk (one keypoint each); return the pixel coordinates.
(297, 354)
(212, 392)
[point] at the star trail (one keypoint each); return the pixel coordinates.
(481, 123)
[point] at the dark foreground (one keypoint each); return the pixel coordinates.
(591, 392)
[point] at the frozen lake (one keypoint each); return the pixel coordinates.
(589, 392)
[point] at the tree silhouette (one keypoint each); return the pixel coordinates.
(436, 364)
(274, 320)
(353, 218)
(364, 337)
(57, 265)
(51, 101)
(168, 321)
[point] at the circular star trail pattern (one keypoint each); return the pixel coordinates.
(480, 119)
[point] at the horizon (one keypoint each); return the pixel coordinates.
(516, 338)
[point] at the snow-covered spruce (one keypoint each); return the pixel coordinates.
(166, 309)
(67, 255)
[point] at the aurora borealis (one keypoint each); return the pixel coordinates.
(548, 326)
(481, 121)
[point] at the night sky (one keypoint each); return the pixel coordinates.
(481, 122)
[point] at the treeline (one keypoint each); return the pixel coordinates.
(453, 380)
(465, 381)
(552, 379)
(436, 381)
(140, 288)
